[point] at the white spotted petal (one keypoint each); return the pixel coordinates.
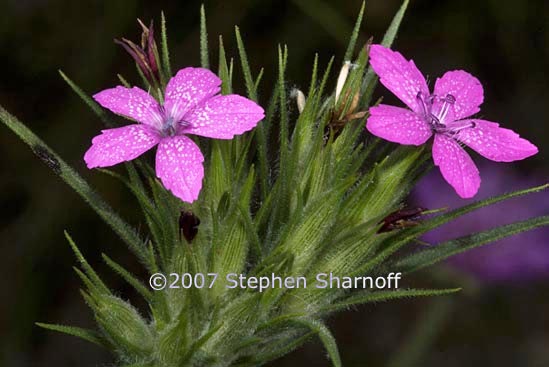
(398, 125)
(134, 103)
(456, 166)
(121, 144)
(496, 143)
(223, 117)
(179, 165)
(189, 88)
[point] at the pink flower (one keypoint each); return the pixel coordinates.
(192, 106)
(444, 114)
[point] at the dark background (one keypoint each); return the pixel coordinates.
(504, 43)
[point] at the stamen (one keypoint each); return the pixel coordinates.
(435, 121)
(454, 128)
(422, 103)
(448, 101)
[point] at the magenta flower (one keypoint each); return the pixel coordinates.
(192, 106)
(444, 114)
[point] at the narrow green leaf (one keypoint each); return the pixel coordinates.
(223, 70)
(90, 286)
(325, 336)
(249, 227)
(165, 50)
(314, 74)
(382, 296)
(199, 343)
(370, 80)
(86, 334)
(262, 137)
(392, 31)
(248, 79)
(86, 266)
(258, 79)
(448, 216)
(74, 180)
(284, 128)
(130, 278)
(124, 82)
(94, 106)
(435, 254)
(325, 79)
(354, 36)
(204, 57)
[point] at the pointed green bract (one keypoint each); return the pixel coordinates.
(81, 333)
(128, 277)
(370, 80)
(430, 256)
(164, 47)
(325, 336)
(92, 275)
(383, 296)
(204, 53)
(250, 85)
(223, 70)
(94, 106)
(354, 36)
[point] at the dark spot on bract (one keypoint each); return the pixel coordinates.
(188, 225)
(401, 218)
(48, 158)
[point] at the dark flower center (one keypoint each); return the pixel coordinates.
(437, 119)
(169, 126)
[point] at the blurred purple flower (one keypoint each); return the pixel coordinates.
(519, 258)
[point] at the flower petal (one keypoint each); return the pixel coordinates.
(121, 144)
(189, 88)
(400, 76)
(465, 88)
(398, 125)
(179, 167)
(494, 142)
(456, 166)
(223, 117)
(134, 103)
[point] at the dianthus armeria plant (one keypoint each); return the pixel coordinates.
(245, 190)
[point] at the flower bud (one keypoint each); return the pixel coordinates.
(299, 98)
(146, 55)
(343, 73)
